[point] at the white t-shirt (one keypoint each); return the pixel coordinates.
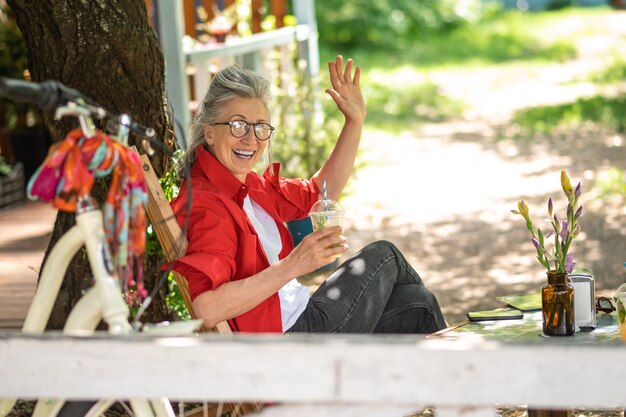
(293, 295)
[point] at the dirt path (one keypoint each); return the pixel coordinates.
(443, 192)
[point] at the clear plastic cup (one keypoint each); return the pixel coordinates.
(326, 213)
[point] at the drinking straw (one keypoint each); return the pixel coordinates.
(325, 200)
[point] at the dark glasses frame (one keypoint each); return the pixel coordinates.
(233, 125)
(605, 305)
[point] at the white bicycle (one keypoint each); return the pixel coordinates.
(104, 301)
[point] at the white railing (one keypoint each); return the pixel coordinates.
(318, 375)
(246, 51)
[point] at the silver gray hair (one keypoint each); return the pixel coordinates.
(228, 84)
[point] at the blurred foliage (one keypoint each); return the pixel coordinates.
(13, 53)
(174, 299)
(5, 169)
(614, 72)
(306, 121)
(433, 33)
(389, 24)
(511, 36)
(13, 62)
(398, 96)
(606, 111)
(396, 107)
(614, 183)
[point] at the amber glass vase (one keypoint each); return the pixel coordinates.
(557, 305)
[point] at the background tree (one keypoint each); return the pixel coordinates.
(106, 50)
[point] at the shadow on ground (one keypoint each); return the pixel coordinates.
(470, 257)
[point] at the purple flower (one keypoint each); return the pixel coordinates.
(550, 206)
(564, 231)
(569, 263)
(556, 256)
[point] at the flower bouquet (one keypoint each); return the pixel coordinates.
(557, 296)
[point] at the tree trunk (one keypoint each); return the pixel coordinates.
(106, 50)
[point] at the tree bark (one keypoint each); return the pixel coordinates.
(106, 50)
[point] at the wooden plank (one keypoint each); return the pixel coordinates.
(162, 216)
(11, 293)
(10, 325)
(331, 369)
(169, 233)
(190, 17)
(13, 287)
(11, 282)
(255, 23)
(279, 10)
(15, 307)
(25, 234)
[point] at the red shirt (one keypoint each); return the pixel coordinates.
(223, 245)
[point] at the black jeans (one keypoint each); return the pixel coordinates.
(375, 291)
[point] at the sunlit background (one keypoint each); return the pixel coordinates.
(468, 116)
(472, 105)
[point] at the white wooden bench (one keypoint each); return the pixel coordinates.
(318, 375)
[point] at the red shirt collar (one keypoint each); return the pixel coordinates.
(212, 169)
(224, 181)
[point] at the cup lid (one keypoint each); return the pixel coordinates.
(326, 205)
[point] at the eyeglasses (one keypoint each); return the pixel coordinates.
(239, 129)
(604, 305)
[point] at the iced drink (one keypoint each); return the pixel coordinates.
(325, 218)
(326, 213)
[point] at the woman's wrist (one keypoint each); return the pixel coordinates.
(354, 121)
(284, 270)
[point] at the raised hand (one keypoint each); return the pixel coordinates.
(346, 91)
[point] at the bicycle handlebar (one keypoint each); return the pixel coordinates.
(140, 129)
(134, 127)
(48, 95)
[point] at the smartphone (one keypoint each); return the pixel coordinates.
(505, 313)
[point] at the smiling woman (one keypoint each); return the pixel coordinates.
(241, 263)
(232, 142)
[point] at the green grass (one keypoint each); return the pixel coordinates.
(608, 112)
(401, 95)
(507, 39)
(614, 72)
(615, 183)
(511, 36)
(396, 107)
